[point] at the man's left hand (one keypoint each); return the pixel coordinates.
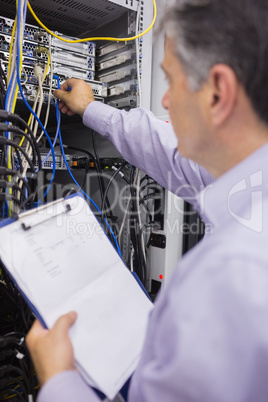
(51, 350)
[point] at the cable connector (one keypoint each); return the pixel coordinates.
(40, 49)
(116, 169)
(38, 72)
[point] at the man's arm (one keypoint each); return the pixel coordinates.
(142, 140)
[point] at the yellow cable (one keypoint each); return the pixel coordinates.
(95, 38)
(43, 49)
(9, 164)
(20, 68)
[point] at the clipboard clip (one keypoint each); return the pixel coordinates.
(28, 227)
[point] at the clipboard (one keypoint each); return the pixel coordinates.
(79, 269)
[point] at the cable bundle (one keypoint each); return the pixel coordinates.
(17, 375)
(13, 185)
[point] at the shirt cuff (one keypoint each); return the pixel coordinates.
(97, 116)
(66, 386)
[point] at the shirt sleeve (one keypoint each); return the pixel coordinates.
(67, 386)
(151, 145)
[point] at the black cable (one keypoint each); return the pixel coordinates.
(102, 188)
(81, 150)
(135, 233)
(9, 128)
(3, 158)
(10, 172)
(21, 178)
(28, 199)
(151, 196)
(10, 380)
(85, 176)
(5, 141)
(100, 177)
(12, 392)
(30, 139)
(150, 186)
(5, 184)
(109, 185)
(9, 197)
(13, 369)
(87, 164)
(20, 161)
(4, 171)
(15, 118)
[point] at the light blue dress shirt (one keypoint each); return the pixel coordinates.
(207, 338)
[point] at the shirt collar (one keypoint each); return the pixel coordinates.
(238, 194)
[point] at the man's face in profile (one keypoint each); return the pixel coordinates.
(184, 105)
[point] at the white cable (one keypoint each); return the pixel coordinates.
(12, 70)
(39, 76)
(138, 54)
(41, 98)
(131, 260)
(50, 88)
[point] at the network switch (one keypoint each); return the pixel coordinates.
(75, 60)
(68, 72)
(35, 33)
(60, 165)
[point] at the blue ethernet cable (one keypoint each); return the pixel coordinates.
(29, 107)
(74, 180)
(56, 135)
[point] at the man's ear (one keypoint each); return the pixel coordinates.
(223, 92)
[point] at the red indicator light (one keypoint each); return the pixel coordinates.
(161, 277)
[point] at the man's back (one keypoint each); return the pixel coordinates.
(208, 338)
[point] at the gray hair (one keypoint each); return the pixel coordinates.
(232, 32)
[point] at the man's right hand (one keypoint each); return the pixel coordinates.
(75, 95)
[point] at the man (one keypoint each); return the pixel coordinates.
(207, 338)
